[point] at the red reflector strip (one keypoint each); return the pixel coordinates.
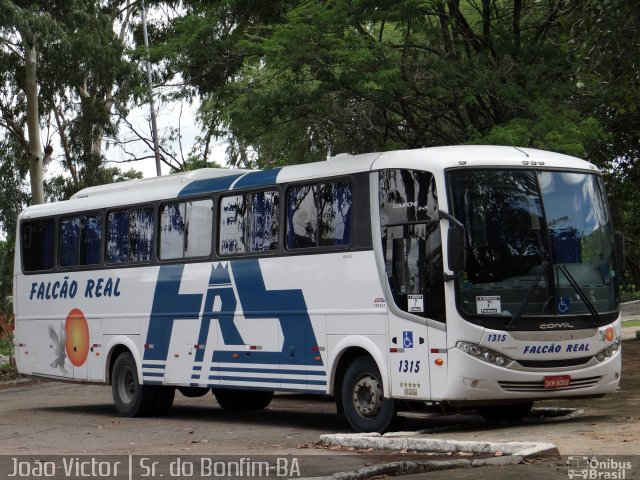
(148, 345)
(316, 348)
(396, 350)
(96, 345)
(197, 346)
(438, 350)
(253, 347)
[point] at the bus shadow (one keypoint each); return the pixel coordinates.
(472, 422)
(270, 417)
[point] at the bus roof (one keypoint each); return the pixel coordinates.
(210, 180)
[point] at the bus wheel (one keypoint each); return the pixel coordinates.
(363, 400)
(132, 399)
(508, 413)
(164, 400)
(231, 399)
(193, 392)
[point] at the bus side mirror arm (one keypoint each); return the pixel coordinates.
(456, 246)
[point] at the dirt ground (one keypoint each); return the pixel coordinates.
(63, 418)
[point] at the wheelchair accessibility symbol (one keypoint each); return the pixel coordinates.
(564, 304)
(407, 339)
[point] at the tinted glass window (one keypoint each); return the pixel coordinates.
(249, 223)
(141, 224)
(130, 235)
(262, 221)
(118, 236)
(407, 196)
(319, 215)
(302, 217)
(199, 228)
(37, 245)
(185, 229)
(172, 230)
(232, 225)
(335, 213)
(80, 241)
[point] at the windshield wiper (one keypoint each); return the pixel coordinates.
(525, 302)
(583, 296)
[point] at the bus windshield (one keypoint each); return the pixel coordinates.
(539, 244)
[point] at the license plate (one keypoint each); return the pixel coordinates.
(559, 381)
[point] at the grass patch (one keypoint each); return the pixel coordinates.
(5, 346)
(631, 323)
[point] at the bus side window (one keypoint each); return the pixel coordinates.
(80, 240)
(37, 245)
(319, 215)
(232, 225)
(335, 208)
(302, 217)
(130, 235)
(118, 236)
(141, 227)
(186, 229)
(262, 221)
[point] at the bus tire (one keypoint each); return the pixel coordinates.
(365, 407)
(231, 399)
(164, 400)
(132, 399)
(507, 413)
(193, 392)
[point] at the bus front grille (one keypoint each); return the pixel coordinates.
(569, 362)
(576, 384)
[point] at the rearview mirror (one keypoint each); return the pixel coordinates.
(456, 245)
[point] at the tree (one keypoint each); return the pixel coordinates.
(604, 43)
(86, 81)
(22, 24)
(318, 78)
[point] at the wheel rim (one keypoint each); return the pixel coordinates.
(126, 385)
(367, 396)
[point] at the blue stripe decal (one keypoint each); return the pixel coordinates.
(266, 380)
(151, 382)
(153, 374)
(208, 185)
(258, 179)
(197, 368)
(268, 370)
(195, 377)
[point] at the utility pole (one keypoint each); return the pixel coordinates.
(154, 125)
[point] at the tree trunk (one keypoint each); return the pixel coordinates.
(33, 125)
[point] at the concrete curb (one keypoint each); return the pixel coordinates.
(407, 441)
(410, 467)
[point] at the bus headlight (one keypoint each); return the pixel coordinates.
(608, 351)
(486, 354)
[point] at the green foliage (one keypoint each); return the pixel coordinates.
(318, 78)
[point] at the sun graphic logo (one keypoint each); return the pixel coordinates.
(77, 337)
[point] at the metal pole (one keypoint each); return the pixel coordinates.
(154, 125)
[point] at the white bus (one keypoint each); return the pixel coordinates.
(454, 277)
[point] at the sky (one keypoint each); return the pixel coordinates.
(168, 116)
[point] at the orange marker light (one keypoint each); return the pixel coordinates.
(609, 334)
(235, 355)
(439, 362)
